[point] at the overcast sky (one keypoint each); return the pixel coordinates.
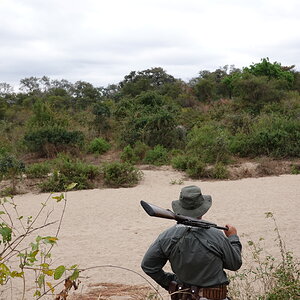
(102, 41)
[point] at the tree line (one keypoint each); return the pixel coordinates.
(152, 117)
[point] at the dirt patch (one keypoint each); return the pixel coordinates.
(115, 291)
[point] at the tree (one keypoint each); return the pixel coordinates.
(85, 94)
(271, 70)
(151, 79)
(148, 118)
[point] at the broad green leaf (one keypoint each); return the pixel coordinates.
(74, 266)
(41, 280)
(75, 275)
(6, 232)
(44, 265)
(48, 272)
(59, 271)
(2, 212)
(71, 186)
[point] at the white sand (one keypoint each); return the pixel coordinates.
(109, 227)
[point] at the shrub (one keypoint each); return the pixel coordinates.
(210, 143)
(118, 174)
(267, 277)
(295, 169)
(67, 171)
(271, 135)
(179, 162)
(196, 168)
(157, 156)
(51, 140)
(128, 155)
(98, 146)
(219, 171)
(140, 149)
(38, 170)
(11, 168)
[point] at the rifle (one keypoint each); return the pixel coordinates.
(155, 211)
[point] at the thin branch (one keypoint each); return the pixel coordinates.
(20, 238)
(17, 213)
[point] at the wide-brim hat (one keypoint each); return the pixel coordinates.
(191, 202)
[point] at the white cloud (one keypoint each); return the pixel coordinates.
(102, 41)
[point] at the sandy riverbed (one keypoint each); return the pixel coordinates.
(108, 226)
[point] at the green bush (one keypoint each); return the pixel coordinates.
(210, 143)
(196, 168)
(219, 171)
(179, 162)
(11, 168)
(98, 146)
(38, 170)
(51, 140)
(128, 155)
(157, 156)
(271, 135)
(295, 169)
(118, 174)
(140, 149)
(67, 171)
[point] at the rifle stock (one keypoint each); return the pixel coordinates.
(155, 211)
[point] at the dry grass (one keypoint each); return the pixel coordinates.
(114, 291)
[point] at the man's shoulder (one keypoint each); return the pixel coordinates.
(175, 230)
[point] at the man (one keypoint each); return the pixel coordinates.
(197, 256)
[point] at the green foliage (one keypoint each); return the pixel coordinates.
(43, 116)
(118, 174)
(271, 70)
(150, 118)
(49, 141)
(36, 257)
(180, 162)
(128, 155)
(38, 170)
(219, 171)
(205, 90)
(268, 277)
(140, 149)
(68, 170)
(157, 156)
(98, 146)
(196, 168)
(295, 169)
(210, 143)
(271, 135)
(151, 79)
(10, 167)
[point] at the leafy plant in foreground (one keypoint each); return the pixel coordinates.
(15, 230)
(268, 278)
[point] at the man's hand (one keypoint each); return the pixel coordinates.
(231, 230)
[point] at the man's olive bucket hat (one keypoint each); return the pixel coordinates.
(191, 202)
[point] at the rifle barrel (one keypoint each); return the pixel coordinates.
(155, 211)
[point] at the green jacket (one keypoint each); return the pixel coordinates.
(197, 256)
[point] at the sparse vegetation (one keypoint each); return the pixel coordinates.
(268, 277)
(118, 174)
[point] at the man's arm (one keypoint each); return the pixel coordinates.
(232, 249)
(153, 263)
